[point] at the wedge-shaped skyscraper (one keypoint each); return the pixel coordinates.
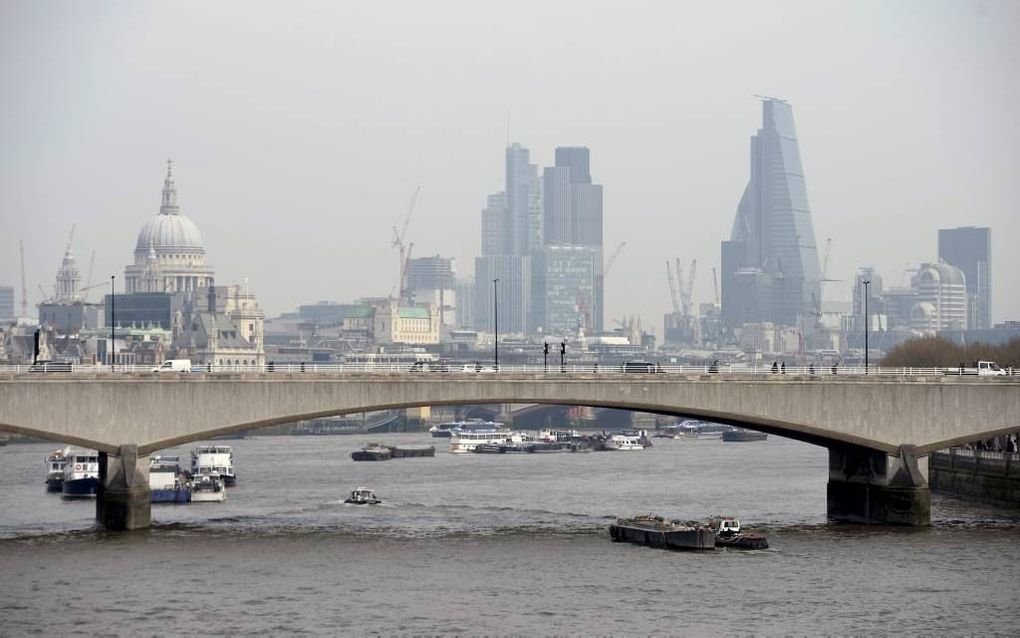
(770, 266)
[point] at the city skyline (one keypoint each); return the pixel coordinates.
(881, 182)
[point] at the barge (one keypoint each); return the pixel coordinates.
(656, 531)
(738, 435)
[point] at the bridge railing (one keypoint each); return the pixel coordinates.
(434, 368)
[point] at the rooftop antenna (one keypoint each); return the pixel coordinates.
(24, 288)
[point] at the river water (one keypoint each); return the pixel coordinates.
(497, 544)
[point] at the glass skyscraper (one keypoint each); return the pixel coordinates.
(970, 249)
(770, 270)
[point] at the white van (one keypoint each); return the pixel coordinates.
(174, 365)
(989, 369)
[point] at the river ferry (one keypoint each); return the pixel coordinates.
(81, 473)
(467, 440)
(167, 481)
(445, 430)
(214, 459)
(658, 532)
(55, 470)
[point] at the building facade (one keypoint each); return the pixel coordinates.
(970, 249)
(394, 324)
(564, 280)
(514, 293)
(433, 280)
(7, 304)
(770, 266)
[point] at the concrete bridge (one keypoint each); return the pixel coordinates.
(878, 428)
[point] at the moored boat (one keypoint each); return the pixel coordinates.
(168, 483)
(208, 488)
(467, 440)
(81, 473)
(362, 496)
(624, 443)
(739, 435)
(55, 470)
(214, 459)
(656, 531)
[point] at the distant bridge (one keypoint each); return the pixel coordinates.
(876, 426)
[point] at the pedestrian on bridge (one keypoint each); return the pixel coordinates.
(775, 367)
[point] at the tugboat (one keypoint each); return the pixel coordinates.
(55, 470)
(362, 496)
(658, 532)
(372, 452)
(729, 535)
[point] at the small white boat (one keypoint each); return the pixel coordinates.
(208, 488)
(624, 443)
(362, 496)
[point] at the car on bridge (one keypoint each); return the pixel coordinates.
(641, 367)
(51, 366)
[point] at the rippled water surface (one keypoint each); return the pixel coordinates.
(497, 544)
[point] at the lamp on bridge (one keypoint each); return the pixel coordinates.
(495, 319)
(866, 283)
(113, 324)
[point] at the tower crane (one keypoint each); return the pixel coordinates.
(687, 289)
(673, 291)
(612, 259)
(398, 242)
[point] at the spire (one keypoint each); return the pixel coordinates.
(169, 205)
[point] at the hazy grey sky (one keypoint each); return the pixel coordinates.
(300, 130)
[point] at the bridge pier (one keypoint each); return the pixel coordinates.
(123, 497)
(872, 487)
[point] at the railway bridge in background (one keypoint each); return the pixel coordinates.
(878, 429)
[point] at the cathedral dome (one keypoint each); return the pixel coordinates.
(169, 230)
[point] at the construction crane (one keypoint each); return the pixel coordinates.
(612, 259)
(673, 290)
(687, 291)
(24, 288)
(398, 242)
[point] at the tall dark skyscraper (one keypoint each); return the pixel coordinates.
(572, 216)
(970, 249)
(770, 269)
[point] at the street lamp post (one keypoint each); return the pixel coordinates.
(495, 319)
(866, 283)
(113, 324)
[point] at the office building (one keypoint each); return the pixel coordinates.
(564, 280)
(432, 280)
(514, 274)
(7, 304)
(970, 249)
(770, 268)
